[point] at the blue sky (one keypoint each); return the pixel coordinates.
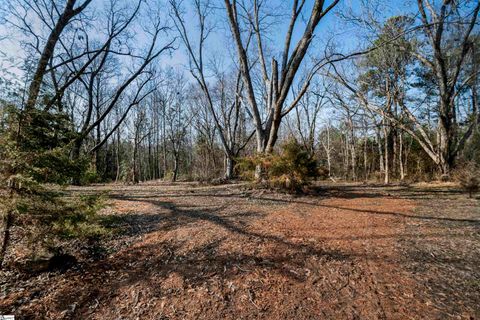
(332, 26)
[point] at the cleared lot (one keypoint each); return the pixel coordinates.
(188, 251)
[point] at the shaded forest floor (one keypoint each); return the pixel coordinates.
(188, 251)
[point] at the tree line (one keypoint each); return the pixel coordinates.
(95, 80)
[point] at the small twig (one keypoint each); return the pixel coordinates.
(250, 296)
(244, 270)
(170, 256)
(96, 304)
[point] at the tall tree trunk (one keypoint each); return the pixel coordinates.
(260, 135)
(353, 150)
(329, 150)
(164, 144)
(354, 161)
(400, 156)
(117, 176)
(386, 154)
(7, 225)
(135, 168)
(34, 89)
(175, 167)
(446, 137)
(150, 167)
(346, 161)
(365, 158)
(229, 168)
(96, 155)
(77, 146)
(380, 150)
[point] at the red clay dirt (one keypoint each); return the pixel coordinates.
(225, 252)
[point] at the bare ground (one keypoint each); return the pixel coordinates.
(188, 251)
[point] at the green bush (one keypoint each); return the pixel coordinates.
(41, 149)
(34, 160)
(468, 175)
(90, 176)
(292, 169)
(48, 216)
(471, 153)
(78, 218)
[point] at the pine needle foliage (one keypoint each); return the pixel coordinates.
(34, 163)
(292, 169)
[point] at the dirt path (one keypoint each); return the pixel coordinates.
(193, 252)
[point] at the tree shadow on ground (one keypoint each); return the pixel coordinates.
(196, 263)
(232, 249)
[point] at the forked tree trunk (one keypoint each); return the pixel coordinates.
(47, 52)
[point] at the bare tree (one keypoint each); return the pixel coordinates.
(71, 9)
(179, 113)
(326, 141)
(227, 118)
(278, 82)
(307, 116)
(447, 69)
(142, 75)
